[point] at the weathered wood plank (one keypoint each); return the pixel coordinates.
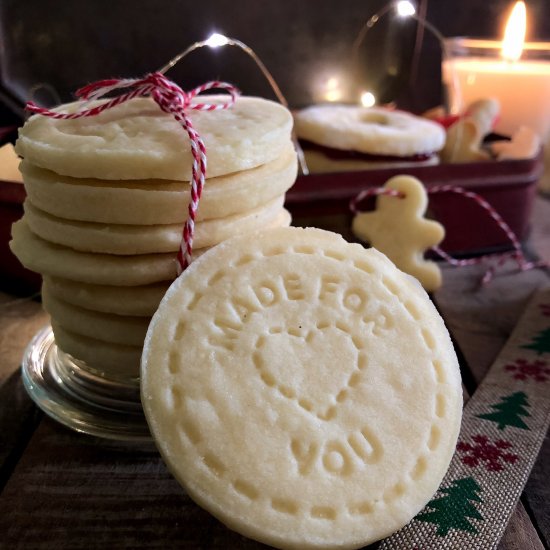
(540, 232)
(520, 534)
(19, 320)
(74, 491)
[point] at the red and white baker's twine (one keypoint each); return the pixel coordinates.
(173, 100)
(517, 253)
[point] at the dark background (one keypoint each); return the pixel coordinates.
(48, 48)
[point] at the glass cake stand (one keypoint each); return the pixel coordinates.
(77, 396)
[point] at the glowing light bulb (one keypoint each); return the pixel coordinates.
(405, 8)
(215, 40)
(333, 90)
(514, 35)
(368, 99)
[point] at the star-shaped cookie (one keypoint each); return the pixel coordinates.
(398, 229)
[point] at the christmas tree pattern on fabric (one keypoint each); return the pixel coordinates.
(540, 343)
(509, 410)
(455, 510)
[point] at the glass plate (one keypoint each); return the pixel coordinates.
(65, 389)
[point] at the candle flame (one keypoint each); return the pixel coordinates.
(514, 35)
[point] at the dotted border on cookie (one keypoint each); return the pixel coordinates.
(291, 506)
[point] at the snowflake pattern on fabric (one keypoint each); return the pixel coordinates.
(539, 371)
(493, 456)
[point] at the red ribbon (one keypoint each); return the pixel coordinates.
(173, 100)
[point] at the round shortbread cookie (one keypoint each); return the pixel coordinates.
(150, 202)
(113, 361)
(55, 260)
(130, 300)
(137, 140)
(302, 389)
(283, 219)
(145, 239)
(318, 162)
(118, 329)
(369, 130)
(120, 300)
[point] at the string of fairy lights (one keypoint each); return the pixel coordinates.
(332, 86)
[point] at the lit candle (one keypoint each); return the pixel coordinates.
(514, 72)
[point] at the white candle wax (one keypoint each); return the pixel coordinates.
(522, 87)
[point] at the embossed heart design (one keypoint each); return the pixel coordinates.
(305, 365)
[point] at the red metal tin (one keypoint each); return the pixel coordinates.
(509, 186)
(13, 276)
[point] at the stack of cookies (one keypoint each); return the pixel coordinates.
(107, 199)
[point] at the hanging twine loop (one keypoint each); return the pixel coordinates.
(172, 100)
(516, 254)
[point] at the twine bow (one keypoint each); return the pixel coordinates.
(173, 100)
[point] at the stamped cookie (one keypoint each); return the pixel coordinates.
(369, 130)
(55, 260)
(398, 229)
(145, 239)
(154, 201)
(137, 140)
(118, 329)
(302, 389)
(115, 361)
(140, 300)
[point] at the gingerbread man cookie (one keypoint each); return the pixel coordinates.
(465, 137)
(525, 144)
(463, 143)
(484, 112)
(398, 229)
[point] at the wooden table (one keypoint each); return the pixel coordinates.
(62, 490)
